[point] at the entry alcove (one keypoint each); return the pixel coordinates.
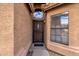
(38, 17)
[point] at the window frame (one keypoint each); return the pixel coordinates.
(60, 30)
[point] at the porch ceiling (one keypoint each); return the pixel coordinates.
(43, 6)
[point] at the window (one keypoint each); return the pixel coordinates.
(59, 28)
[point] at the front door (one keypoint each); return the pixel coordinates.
(38, 31)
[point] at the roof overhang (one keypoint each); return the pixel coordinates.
(50, 6)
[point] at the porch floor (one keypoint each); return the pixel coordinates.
(41, 51)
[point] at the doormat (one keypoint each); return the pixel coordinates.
(38, 44)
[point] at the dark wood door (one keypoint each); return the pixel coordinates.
(38, 31)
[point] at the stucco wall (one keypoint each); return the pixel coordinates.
(6, 29)
(22, 29)
(73, 47)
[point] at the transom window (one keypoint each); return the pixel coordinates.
(59, 28)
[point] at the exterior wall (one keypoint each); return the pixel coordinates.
(22, 29)
(6, 29)
(73, 47)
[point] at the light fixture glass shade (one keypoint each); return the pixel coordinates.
(38, 15)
